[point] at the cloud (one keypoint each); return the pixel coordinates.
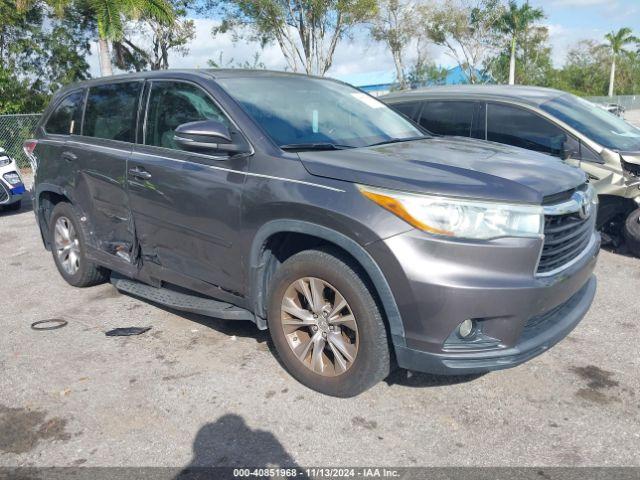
(353, 58)
(562, 39)
(580, 3)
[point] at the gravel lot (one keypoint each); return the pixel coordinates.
(195, 391)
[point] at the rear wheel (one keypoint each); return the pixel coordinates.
(632, 232)
(68, 245)
(326, 324)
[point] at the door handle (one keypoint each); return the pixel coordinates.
(69, 156)
(139, 173)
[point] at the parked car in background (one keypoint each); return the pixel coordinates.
(614, 108)
(12, 188)
(547, 121)
(318, 212)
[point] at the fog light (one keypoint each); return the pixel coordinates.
(467, 328)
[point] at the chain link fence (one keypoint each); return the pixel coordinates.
(628, 102)
(14, 130)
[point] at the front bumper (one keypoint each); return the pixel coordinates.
(11, 193)
(439, 283)
(534, 341)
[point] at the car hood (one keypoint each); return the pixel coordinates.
(631, 157)
(452, 166)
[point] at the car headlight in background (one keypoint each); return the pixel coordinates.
(12, 178)
(4, 160)
(458, 218)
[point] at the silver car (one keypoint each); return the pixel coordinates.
(550, 121)
(12, 188)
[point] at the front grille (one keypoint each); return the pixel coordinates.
(4, 195)
(565, 237)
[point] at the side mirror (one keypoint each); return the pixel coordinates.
(206, 135)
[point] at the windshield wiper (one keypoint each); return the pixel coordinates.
(399, 140)
(314, 146)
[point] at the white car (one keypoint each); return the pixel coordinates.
(12, 187)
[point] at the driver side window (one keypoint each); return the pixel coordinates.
(170, 105)
(521, 128)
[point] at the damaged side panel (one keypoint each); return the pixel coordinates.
(100, 187)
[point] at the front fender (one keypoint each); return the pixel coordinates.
(365, 260)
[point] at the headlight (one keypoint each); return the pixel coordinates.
(12, 178)
(4, 160)
(460, 218)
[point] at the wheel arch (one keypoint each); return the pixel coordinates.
(264, 261)
(46, 197)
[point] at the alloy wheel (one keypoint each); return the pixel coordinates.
(319, 326)
(67, 245)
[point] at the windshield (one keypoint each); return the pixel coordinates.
(306, 111)
(594, 122)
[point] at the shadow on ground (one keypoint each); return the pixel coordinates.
(230, 442)
(422, 380)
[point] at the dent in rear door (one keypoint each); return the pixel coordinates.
(101, 155)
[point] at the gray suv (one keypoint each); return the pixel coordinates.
(314, 210)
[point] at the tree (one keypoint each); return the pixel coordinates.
(424, 73)
(516, 22)
(532, 61)
(467, 30)
(111, 15)
(307, 31)
(254, 64)
(617, 41)
(147, 43)
(39, 53)
(398, 24)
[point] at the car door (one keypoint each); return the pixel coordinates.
(186, 205)
(99, 154)
(520, 127)
(448, 117)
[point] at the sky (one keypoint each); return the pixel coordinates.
(362, 62)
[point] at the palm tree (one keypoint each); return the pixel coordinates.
(514, 23)
(616, 43)
(110, 17)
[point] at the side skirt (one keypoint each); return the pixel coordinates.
(181, 301)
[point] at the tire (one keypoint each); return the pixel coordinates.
(14, 207)
(364, 340)
(632, 232)
(80, 273)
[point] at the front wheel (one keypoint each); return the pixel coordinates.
(326, 325)
(632, 232)
(68, 246)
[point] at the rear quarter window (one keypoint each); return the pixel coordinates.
(67, 116)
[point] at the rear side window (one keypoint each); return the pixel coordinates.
(448, 118)
(66, 118)
(407, 109)
(173, 103)
(111, 111)
(521, 128)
